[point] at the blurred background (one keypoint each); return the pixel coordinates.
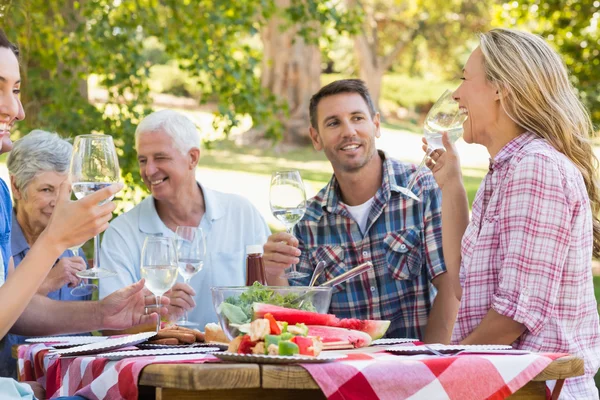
(245, 70)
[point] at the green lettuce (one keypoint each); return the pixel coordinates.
(258, 293)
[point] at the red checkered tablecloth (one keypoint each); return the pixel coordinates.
(389, 376)
(360, 376)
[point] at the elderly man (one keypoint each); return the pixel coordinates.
(167, 144)
(362, 216)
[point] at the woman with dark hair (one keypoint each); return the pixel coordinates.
(72, 222)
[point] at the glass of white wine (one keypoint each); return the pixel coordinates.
(444, 116)
(94, 166)
(288, 204)
(191, 253)
(159, 266)
(83, 289)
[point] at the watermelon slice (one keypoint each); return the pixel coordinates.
(375, 329)
(330, 334)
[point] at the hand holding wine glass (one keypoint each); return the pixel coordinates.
(191, 252)
(159, 266)
(444, 116)
(94, 166)
(288, 204)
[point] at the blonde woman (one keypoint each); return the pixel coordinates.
(525, 255)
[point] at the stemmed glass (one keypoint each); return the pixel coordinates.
(288, 205)
(83, 289)
(94, 165)
(191, 252)
(159, 266)
(444, 116)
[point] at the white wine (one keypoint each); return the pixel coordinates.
(189, 267)
(434, 138)
(159, 278)
(289, 216)
(82, 189)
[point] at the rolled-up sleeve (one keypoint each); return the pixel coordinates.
(534, 241)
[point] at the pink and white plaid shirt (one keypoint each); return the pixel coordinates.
(527, 254)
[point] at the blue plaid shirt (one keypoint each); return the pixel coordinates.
(403, 240)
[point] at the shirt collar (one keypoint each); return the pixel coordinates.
(17, 241)
(509, 149)
(150, 222)
(331, 198)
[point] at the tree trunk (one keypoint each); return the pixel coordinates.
(291, 70)
(371, 70)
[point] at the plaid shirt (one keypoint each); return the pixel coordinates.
(403, 240)
(527, 254)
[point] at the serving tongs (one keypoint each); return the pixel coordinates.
(362, 268)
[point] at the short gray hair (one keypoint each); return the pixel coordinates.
(39, 151)
(179, 127)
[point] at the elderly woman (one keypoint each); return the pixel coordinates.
(525, 260)
(37, 165)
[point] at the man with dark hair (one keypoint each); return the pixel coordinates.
(361, 216)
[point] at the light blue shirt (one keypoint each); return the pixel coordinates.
(230, 223)
(11, 389)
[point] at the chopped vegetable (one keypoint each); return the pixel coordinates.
(305, 345)
(288, 348)
(272, 339)
(286, 336)
(246, 345)
(275, 330)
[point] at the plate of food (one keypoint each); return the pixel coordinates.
(111, 343)
(119, 355)
(266, 340)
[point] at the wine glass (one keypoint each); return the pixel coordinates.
(288, 205)
(191, 253)
(444, 116)
(83, 289)
(159, 266)
(94, 165)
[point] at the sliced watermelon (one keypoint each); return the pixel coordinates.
(329, 334)
(375, 329)
(292, 316)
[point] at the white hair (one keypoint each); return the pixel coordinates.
(39, 151)
(180, 128)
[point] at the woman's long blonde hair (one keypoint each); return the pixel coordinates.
(542, 100)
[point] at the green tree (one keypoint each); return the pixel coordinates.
(571, 26)
(391, 28)
(64, 41)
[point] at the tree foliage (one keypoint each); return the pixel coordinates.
(414, 29)
(571, 26)
(64, 41)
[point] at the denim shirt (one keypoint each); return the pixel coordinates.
(5, 226)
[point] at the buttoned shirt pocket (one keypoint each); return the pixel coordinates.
(333, 256)
(403, 254)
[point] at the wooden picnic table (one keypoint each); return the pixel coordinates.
(237, 381)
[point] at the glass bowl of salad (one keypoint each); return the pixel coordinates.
(235, 305)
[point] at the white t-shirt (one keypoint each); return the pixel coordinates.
(360, 213)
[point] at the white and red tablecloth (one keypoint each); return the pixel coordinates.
(360, 376)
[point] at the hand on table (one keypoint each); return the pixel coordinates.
(127, 307)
